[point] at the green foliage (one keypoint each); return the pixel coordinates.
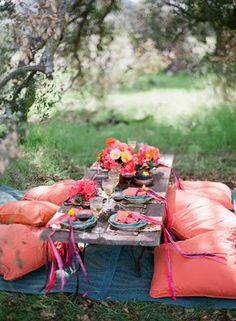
(47, 96)
(163, 80)
(215, 130)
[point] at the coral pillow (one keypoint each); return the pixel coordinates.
(198, 277)
(215, 191)
(21, 250)
(179, 199)
(35, 213)
(56, 193)
(197, 219)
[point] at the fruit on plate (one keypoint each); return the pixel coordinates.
(125, 217)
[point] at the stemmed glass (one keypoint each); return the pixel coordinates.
(108, 186)
(96, 205)
(132, 142)
(114, 175)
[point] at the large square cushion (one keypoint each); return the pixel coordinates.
(199, 276)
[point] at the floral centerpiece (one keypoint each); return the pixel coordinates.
(139, 164)
(118, 154)
(147, 156)
(83, 190)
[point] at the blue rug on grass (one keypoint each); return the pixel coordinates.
(112, 276)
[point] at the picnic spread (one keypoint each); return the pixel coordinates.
(125, 204)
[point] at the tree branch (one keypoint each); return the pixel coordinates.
(19, 71)
(107, 11)
(83, 15)
(174, 5)
(24, 84)
(46, 64)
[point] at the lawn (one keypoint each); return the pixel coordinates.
(203, 140)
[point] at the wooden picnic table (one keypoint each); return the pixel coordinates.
(104, 234)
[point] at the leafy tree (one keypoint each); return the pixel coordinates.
(169, 23)
(35, 34)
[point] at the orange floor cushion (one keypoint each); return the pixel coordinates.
(205, 191)
(199, 218)
(21, 250)
(57, 193)
(215, 191)
(35, 213)
(200, 276)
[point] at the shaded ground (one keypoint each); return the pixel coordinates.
(68, 308)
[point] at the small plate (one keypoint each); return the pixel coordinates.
(123, 226)
(81, 225)
(118, 196)
(138, 199)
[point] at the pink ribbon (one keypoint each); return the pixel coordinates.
(76, 251)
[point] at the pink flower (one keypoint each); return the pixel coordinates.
(115, 154)
(86, 188)
(148, 154)
(129, 168)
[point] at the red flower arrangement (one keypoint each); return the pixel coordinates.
(148, 156)
(85, 188)
(120, 154)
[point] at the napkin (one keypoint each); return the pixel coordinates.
(133, 191)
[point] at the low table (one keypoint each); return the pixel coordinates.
(103, 234)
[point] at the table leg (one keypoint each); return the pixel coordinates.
(137, 260)
(77, 266)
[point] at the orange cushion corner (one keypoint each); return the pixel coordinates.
(201, 276)
(35, 213)
(21, 250)
(57, 193)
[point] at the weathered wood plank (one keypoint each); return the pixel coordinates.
(100, 234)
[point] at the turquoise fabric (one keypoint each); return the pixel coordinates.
(112, 275)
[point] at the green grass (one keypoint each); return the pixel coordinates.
(162, 80)
(163, 97)
(61, 147)
(60, 307)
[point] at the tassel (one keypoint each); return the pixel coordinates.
(58, 260)
(52, 277)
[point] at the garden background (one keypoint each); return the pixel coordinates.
(77, 72)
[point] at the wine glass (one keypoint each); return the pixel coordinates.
(96, 205)
(114, 175)
(108, 186)
(132, 142)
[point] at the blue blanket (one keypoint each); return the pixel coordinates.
(112, 275)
